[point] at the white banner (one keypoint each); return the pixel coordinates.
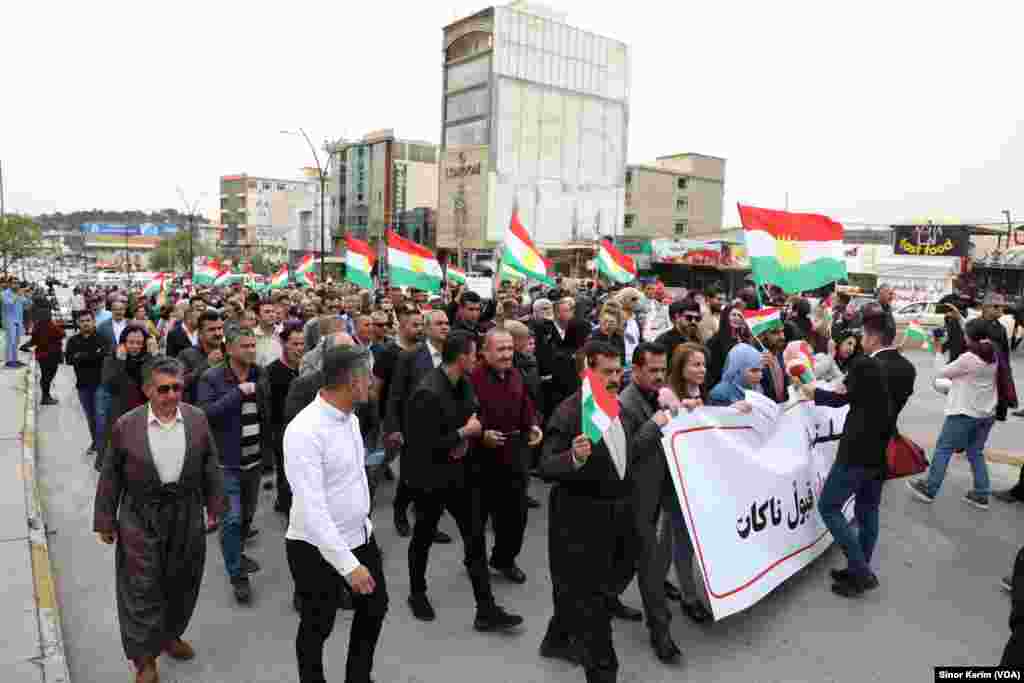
(748, 486)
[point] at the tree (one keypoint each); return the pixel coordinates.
(172, 252)
(264, 264)
(20, 236)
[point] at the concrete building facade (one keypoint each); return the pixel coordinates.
(380, 177)
(679, 196)
(535, 116)
(272, 215)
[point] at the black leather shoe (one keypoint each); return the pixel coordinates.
(565, 650)
(48, 401)
(855, 586)
(253, 533)
(1006, 496)
(624, 612)
(512, 573)
(242, 590)
(421, 607)
(402, 526)
(442, 537)
(839, 575)
(697, 612)
(494, 618)
(665, 649)
(673, 593)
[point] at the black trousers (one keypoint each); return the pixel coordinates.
(503, 500)
(321, 586)
(463, 503)
(284, 489)
(587, 538)
(47, 371)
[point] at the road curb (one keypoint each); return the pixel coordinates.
(51, 657)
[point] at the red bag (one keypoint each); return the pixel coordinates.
(905, 458)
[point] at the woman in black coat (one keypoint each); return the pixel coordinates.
(731, 330)
(121, 380)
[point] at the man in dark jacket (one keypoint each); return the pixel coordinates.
(410, 369)
(685, 316)
(239, 414)
(591, 529)
(208, 353)
(860, 465)
(180, 336)
(85, 352)
(441, 418)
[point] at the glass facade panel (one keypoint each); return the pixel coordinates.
(468, 104)
(468, 73)
(473, 133)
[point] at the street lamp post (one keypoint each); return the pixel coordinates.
(322, 172)
(190, 208)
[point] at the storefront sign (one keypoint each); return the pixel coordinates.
(463, 169)
(691, 252)
(930, 240)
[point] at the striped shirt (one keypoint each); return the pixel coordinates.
(250, 455)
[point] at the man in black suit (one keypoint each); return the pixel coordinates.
(182, 332)
(590, 524)
(569, 336)
(652, 493)
(109, 331)
(900, 373)
(410, 369)
(441, 419)
(860, 465)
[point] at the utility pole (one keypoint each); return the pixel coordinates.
(322, 170)
(1009, 230)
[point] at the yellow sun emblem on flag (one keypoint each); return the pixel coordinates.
(787, 251)
(417, 263)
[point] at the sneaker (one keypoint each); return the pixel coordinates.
(249, 565)
(919, 489)
(972, 498)
(1006, 583)
(421, 607)
(494, 618)
(242, 590)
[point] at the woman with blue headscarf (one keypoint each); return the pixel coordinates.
(743, 368)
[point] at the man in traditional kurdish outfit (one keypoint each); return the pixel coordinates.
(160, 470)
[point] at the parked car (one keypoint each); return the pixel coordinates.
(922, 311)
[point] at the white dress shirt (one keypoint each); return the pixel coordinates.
(268, 347)
(435, 355)
(324, 461)
(167, 444)
(118, 328)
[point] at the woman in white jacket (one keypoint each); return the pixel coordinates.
(970, 414)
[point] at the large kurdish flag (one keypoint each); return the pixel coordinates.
(520, 254)
(206, 274)
(412, 265)
(358, 263)
(456, 275)
(762, 320)
(227, 278)
(796, 251)
(615, 265)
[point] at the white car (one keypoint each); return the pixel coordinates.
(922, 311)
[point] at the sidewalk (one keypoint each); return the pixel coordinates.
(31, 640)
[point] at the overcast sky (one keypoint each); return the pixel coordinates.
(877, 111)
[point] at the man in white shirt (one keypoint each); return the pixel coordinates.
(268, 346)
(330, 544)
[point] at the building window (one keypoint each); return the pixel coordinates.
(474, 133)
(682, 204)
(468, 104)
(629, 221)
(468, 74)
(682, 228)
(681, 183)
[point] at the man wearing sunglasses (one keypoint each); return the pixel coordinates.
(160, 471)
(685, 315)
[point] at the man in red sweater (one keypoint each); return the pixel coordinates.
(510, 426)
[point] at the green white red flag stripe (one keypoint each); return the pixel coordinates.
(358, 263)
(615, 265)
(280, 278)
(918, 334)
(600, 408)
(520, 254)
(206, 274)
(796, 251)
(307, 264)
(412, 265)
(226, 278)
(456, 275)
(762, 320)
(155, 286)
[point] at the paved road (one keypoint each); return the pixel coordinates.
(938, 603)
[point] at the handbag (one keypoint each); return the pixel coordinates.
(904, 458)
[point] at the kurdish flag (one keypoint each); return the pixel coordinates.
(762, 320)
(306, 265)
(796, 251)
(600, 412)
(206, 274)
(358, 262)
(156, 285)
(280, 278)
(412, 265)
(307, 278)
(920, 335)
(227, 278)
(510, 275)
(456, 275)
(615, 265)
(520, 254)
